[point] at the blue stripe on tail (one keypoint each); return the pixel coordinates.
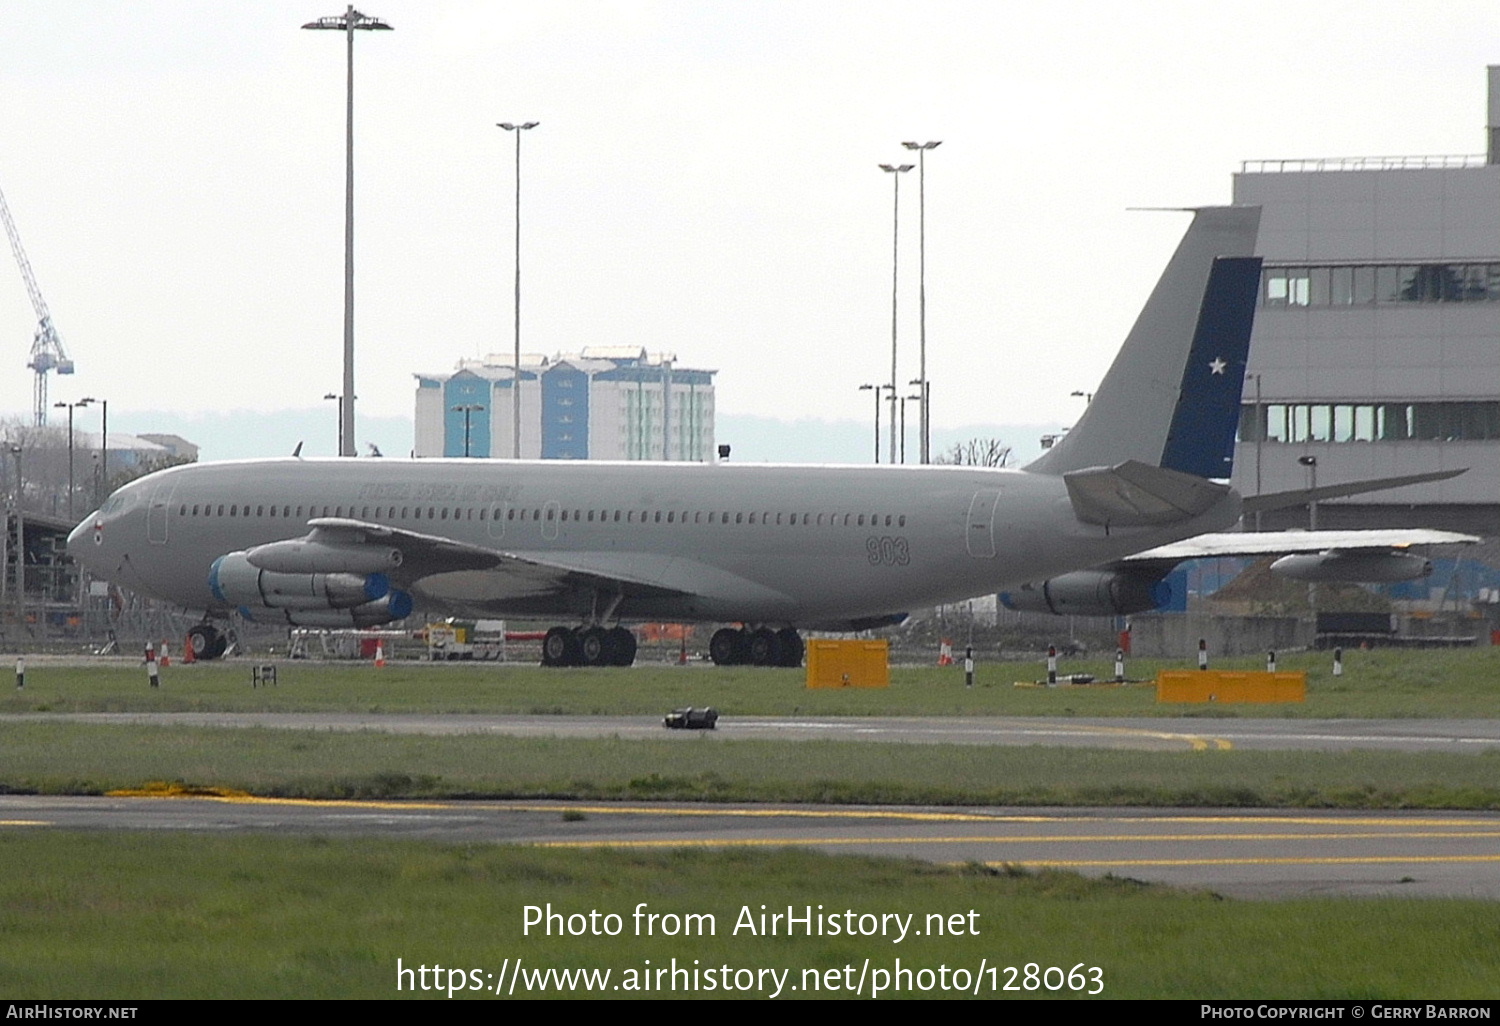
(1201, 438)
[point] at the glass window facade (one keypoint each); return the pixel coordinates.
(1371, 422)
(1368, 284)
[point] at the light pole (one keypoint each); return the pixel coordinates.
(1311, 463)
(70, 407)
(16, 451)
(347, 23)
(1260, 439)
(926, 418)
(467, 409)
(103, 446)
(904, 400)
(515, 398)
(877, 389)
(340, 400)
(896, 171)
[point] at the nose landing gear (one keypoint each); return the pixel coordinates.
(207, 641)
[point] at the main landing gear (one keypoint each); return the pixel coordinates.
(759, 647)
(588, 646)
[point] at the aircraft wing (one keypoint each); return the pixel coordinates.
(336, 543)
(1265, 543)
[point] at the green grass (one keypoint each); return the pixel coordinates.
(129, 916)
(60, 758)
(1460, 683)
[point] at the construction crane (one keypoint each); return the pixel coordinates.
(47, 352)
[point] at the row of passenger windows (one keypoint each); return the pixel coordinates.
(1369, 284)
(1375, 422)
(547, 513)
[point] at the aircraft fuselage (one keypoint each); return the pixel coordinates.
(803, 545)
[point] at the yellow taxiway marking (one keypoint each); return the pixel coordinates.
(923, 816)
(1293, 860)
(1197, 742)
(600, 810)
(1034, 839)
(25, 822)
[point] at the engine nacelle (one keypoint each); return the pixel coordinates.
(1360, 567)
(234, 581)
(395, 606)
(1091, 593)
(300, 556)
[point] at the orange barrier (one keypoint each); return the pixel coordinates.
(1230, 686)
(848, 664)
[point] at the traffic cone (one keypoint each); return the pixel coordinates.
(945, 653)
(379, 655)
(187, 652)
(166, 658)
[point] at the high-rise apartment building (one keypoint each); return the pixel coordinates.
(603, 403)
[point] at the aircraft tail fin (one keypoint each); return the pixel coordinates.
(1171, 398)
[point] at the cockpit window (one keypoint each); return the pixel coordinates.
(119, 502)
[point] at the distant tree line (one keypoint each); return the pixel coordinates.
(40, 454)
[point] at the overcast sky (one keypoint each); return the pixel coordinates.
(704, 181)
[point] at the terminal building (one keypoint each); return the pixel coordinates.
(1376, 350)
(603, 403)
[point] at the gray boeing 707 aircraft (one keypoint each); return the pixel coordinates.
(591, 545)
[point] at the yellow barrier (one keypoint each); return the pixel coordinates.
(848, 664)
(1230, 686)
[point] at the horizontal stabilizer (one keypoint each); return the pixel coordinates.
(1266, 543)
(1301, 497)
(1135, 494)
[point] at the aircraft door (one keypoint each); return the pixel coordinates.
(551, 513)
(979, 534)
(157, 512)
(499, 513)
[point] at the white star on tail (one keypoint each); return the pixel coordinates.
(1217, 366)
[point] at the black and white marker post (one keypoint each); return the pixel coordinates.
(1051, 666)
(1271, 661)
(151, 670)
(1119, 666)
(1202, 654)
(969, 667)
(20, 673)
(1338, 662)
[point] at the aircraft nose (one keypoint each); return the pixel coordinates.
(81, 542)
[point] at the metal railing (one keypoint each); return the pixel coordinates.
(1304, 164)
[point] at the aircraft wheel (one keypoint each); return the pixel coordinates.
(208, 641)
(621, 645)
(727, 647)
(560, 647)
(593, 647)
(765, 648)
(792, 648)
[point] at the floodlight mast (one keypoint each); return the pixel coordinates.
(347, 23)
(47, 352)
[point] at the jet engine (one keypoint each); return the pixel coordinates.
(396, 605)
(338, 600)
(234, 581)
(1357, 566)
(300, 556)
(1092, 593)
